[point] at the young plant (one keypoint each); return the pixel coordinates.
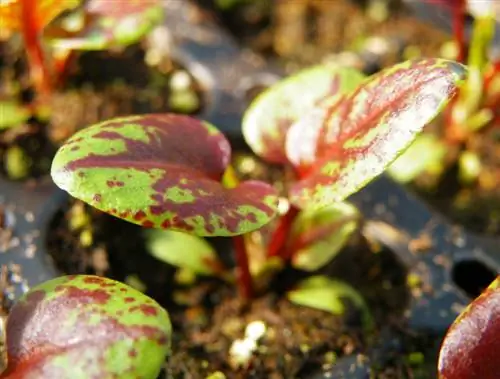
(105, 26)
(470, 348)
(477, 106)
(85, 326)
(332, 130)
(30, 17)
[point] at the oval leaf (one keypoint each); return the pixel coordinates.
(470, 348)
(109, 25)
(163, 171)
(317, 236)
(364, 131)
(425, 154)
(323, 293)
(44, 13)
(170, 246)
(82, 326)
(270, 115)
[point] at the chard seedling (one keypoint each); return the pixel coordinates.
(331, 128)
(470, 348)
(105, 25)
(30, 17)
(85, 326)
(476, 107)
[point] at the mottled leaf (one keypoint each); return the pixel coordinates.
(270, 115)
(318, 235)
(82, 326)
(471, 347)
(425, 154)
(46, 10)
(357, 136)
(109, 25)
(170, 246)
(12, 114)
(333, 296)
(163, 171)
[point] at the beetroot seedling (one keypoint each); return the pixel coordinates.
(172, 172)
(85, 326)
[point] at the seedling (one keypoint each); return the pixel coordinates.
(470, 348)
(85, 326)
(330, 128)
(475, 108)
(31, 17)
(106, 25)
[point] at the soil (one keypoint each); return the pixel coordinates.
(209, 316)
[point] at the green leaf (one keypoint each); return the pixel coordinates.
(162, 171)
(83, 326)
(471, 345)
(271, 114)
(109, 25)
(339, 148)
(317, 236)
(329, 295)
(170, 246)
(12, 114)
(425, 154)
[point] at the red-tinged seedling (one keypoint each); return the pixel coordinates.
(84, 326)
(471, 347)
(30, 17)
(107, 25)
(165, 171)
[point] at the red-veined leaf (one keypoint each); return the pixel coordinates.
(354, 138)
(268, 118)
(163, 171)
(85, 326)
(471, 346)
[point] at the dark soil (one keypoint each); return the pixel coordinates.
(208, 316)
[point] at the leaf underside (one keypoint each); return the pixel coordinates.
(162, 171)
(109, 25)
(271, 114)
(470, 348)
(170, 246)
(329, 295)
(317, 236)
(84, 326)
(353, 139)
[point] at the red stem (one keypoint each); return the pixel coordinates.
(244, 276)
(31, 31)
(459, 12)
(277, 246)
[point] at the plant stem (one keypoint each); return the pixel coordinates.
(459, 11)
(244, 276)
(277, 246)
(31, 33)
(245, 283)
